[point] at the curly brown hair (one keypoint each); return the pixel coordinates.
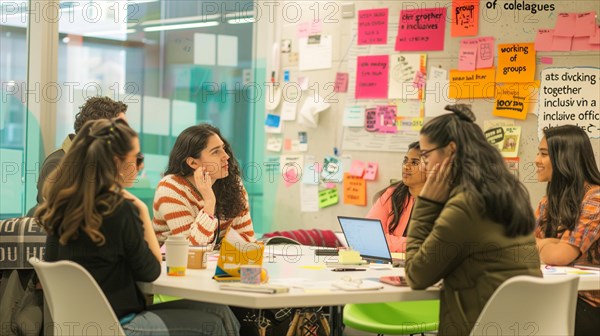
(228, 191)
(98, 108)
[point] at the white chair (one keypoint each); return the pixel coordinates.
(76, 302)
(526, 305)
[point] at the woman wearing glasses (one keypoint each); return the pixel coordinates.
(93, 221)
(568, 217)
(201, 194)
(393, 204)
(472, 224)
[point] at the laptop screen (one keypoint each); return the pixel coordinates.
(366, 236)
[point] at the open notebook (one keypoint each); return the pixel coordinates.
(366, 236)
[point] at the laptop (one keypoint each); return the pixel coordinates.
(366, 236)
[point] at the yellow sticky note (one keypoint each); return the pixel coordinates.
(514, 99)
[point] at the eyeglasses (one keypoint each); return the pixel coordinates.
(139, 159)
(425, 154)
(411, 162)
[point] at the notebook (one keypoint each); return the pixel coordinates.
(366, 236)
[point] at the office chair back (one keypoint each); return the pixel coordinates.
(526, 305)
(76, 302)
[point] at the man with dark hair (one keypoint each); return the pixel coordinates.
(94, 108)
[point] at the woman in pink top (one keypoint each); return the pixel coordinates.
(393, 204)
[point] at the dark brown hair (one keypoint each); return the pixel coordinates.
(98, 108)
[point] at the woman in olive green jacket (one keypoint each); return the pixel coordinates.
(472, 224)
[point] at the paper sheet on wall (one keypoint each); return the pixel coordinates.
(311, 108)
(309, 198)
(506, 139)
(315, 52)
(328, 197)
(371, 171)
(403, 69)
(585, 24)
(288, 110)
(565, 24)
(332, 169)
(570, 96)
(354, 116)
(436, 95)
(543, 39)
(274, 144)
(291, 168)
(358, 139)
(311, 172)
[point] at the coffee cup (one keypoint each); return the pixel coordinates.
(176, 255)
(253, 274)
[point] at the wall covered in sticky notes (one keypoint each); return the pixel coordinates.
(373, 72)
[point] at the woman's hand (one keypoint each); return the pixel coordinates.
(438, 185)
(204, 184)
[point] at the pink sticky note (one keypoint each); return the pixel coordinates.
(565, 24)
(357, 168)
(421, 29)
(467, 55)
(290, 177)
(561, 43)
(287, 144)
(386, 119)
(485, 52)
(543, 40)
(371, 171)
(302, 29)
(419, 80)
(546, 60)
(315, 28)
(341, 82)
(330, 185)
(581, 43)
(372, 26)
(585, 24)
(372, 76)
(595, 39)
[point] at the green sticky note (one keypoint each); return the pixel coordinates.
(328, 197)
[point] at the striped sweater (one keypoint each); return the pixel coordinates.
(179, 209)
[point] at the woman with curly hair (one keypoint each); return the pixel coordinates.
(201, 194)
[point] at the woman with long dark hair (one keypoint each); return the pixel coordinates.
(393, 205)
(92, 220)
(568, 217)
(201, 194)
(472, 224)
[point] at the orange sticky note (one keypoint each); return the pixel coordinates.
(513, 99)
(355, 190)
(516, 63)
(472, 84)
(465, 17)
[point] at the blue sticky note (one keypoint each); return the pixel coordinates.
(273, 120)
(286, 76)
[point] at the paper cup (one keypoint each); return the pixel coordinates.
(176, 255)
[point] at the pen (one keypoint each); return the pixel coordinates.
(348, 269)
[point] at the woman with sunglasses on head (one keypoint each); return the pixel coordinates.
(393, 205)
(93, 221)
(201, 194)
(472, 224)
(568, 217)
